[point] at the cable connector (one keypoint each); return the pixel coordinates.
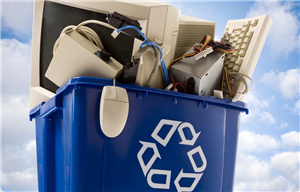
(218, 94)
(237, 97)
(169, 87)
(115, 33)
(118, 20)
(204, 53)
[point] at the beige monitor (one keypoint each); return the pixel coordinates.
(159, 21)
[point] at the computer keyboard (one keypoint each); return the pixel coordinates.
(247, 36)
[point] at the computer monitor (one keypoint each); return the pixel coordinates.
(159, 21)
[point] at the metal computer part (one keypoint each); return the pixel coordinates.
(206, 72)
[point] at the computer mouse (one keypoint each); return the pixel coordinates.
(114, 108)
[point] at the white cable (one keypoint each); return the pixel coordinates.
(89, 33)
(240, 77)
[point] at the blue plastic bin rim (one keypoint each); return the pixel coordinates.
(76, 81)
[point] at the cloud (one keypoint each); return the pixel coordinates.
(296, 107)
(18, 133)
(286, 82)
(19, 166)
(291, 140)
(254, 174)
(279, 172)
(267, 117)
(287, 164)
(255, 105)
(285, 25)
(283, 125)
(19, 24)
(250, 142)
(16, 127)
(21, 181)
(16, 59)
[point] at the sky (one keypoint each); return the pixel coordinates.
(268, 146)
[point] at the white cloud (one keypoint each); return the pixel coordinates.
(19, 166)
(16, 58)
(279, 172)
(254, 105)
(291, 140)
(287, 164)
(285, 82)
(250, 142)
(16, 127)
(254, 174)
(296, 108)
(267, 117)
(18, 133)
(21, 181)
(285, 25)
(283, 125)
(19, 24)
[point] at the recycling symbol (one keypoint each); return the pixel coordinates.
(147, 168)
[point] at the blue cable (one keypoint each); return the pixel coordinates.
(150, 43)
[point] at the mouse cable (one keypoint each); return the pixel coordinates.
(147, 42)
(89, 33)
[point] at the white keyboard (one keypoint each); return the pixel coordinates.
(247, 36)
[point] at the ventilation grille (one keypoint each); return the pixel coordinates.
(188, 35)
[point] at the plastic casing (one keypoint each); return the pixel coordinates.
(74, 155)
(159, 21)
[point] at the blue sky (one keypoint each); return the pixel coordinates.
(268, 148)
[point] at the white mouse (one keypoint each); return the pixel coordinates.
(114, 108)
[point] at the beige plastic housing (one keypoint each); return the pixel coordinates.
(113, 112)
(75, 56)
(159, 21)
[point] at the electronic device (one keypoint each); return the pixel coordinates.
(114, 108)
(77, 56)
(190, 31)
(200, 76)
(248, 37)
(158, 21)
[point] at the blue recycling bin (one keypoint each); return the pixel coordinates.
(171, 142)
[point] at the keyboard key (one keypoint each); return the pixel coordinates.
(226, 63)
(230, 66)
(242, 35)
(239, 62)
(246, 40)
(239, 41)
(244, 46)
(241, 25)
(249, 34)
(235, 53)
(242, 53)
(237, 33)
(254, 22)
(245, 29)
(247, 23)
(233, 59)
(236, 68)
(237, 48)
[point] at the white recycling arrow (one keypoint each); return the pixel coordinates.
(163, 122)
(190, 155)
(184, 141)
(165, 185)
(196, 177)
(156, 154)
